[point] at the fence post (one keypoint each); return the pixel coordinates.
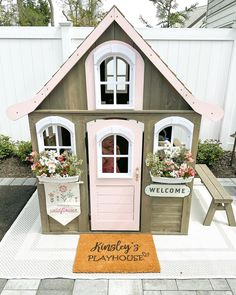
(66, 39)
(228, 125)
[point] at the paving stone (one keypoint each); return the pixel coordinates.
(18, 181)
(7, 181)
(233, 180)
(196, 284)
(53, 292)
(231, 190)
(219, 284)
(232, 283)
(159, 285)
(2, 284)
(30, 181)
(23, 284)
(152, 293)
(214, 293)
(57, 284)
(178, 292)
(89, 287)
(125, 287)
(19, 292)
(226, 181)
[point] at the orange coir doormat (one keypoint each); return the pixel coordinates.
(121, 253)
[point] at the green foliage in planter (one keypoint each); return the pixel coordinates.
(209, 152)
(6, 147)
(23, 150)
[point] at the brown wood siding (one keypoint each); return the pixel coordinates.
(166, 214)
(70, 94)
(149, 214)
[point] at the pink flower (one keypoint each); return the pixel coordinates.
(61, 158)
(62, 188)
(33, 167)
(191, 171)
(34, 154)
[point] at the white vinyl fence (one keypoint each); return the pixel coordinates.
(204, 59)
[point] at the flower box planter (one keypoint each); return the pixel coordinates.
(171, 180)
(68, 179)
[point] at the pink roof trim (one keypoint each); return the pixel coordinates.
(214, 112)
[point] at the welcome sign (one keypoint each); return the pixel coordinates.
(167, 190)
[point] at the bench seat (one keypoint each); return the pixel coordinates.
(221, 200)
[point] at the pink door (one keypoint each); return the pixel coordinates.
(115, 149)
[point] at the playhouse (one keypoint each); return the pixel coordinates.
(113, 101)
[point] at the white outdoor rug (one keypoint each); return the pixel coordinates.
(207, 252)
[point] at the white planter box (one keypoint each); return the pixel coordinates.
(171, 180)
(68, 179)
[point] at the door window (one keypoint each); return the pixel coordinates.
(114, 156)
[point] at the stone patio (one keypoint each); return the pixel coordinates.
(118, 287)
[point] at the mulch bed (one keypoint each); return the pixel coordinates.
(223, 168)
(14, 168)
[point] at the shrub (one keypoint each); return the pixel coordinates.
(209, 152)
(6, 147)
(23, 150)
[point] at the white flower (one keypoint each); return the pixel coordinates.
(43, 160)
(168, 153)
(51, 167)
(174, 174)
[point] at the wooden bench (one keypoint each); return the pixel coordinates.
(221, 200)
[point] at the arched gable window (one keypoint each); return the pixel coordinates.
(55, 133)
(114, 77)
(173, 131)
(115, 82)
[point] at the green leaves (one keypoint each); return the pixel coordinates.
(6, 147)
(9, 148)
(83, 14)
(209, 152)
(167, 14)
(33, 13)
(25, 13)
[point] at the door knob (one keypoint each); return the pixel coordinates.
(137, 174)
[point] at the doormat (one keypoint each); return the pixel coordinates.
(119, 253)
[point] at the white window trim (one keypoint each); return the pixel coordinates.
(173, 121)
(114, 50)
(42, 124)
(102, 134)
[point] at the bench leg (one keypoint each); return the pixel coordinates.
(210, 213)
(230, 214)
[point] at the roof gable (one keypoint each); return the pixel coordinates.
(209, 110)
